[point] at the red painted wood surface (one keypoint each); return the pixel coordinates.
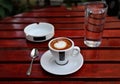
(101, 65)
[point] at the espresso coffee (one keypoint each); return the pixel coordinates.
(61, 44)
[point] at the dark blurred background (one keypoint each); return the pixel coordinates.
(12, 7)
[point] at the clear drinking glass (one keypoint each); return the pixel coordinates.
(95, 15)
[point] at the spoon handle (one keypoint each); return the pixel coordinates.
(30, 68)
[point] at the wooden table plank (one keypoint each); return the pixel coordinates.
(88, 71)
(50, 14)
(52, 20)
(61, 8)
(22, 43)
(91, 82)
(62, 82)
(65, 32)
(4, 26)
(23, 55)
(30, 82)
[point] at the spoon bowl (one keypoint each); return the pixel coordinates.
(34, 53)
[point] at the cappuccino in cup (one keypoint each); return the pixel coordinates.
(62, 48)
(61, 44)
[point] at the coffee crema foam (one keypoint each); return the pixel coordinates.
(61, 44)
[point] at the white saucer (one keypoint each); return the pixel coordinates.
(48, 64)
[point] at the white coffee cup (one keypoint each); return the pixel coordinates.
(62, 48)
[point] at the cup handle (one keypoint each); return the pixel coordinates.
(76, 50)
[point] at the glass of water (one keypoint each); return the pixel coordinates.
(95, 15)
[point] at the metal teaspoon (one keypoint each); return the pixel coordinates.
(34, 53)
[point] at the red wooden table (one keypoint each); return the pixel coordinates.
(101, 65)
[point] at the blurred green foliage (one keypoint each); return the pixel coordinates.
(12, 7)
(5, 8)
(70, 2)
